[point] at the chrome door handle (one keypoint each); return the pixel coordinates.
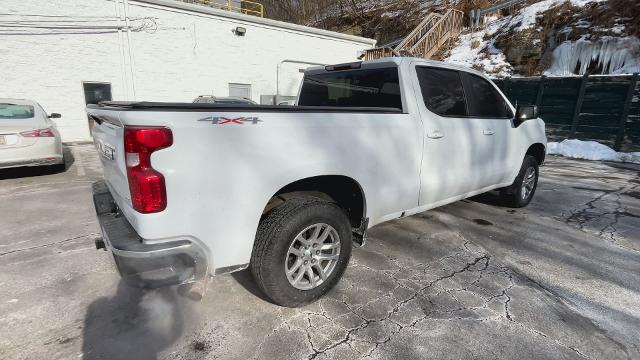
(487, 132)
(435, 134)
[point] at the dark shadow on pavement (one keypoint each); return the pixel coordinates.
(492, 198)
(30, 171)
(245, 279)
(132, 324)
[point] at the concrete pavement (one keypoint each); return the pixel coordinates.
(556, 280)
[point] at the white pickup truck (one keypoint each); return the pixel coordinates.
(192, 190)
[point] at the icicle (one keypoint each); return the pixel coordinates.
(613, 56)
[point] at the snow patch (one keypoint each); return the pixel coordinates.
(613, 55)
(590, 150)
(475, 52)
(526, 18)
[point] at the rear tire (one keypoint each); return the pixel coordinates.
(285, 243)
(520, 193)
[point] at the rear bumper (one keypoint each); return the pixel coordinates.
(45, 151)
(144, 265)
(49, 160)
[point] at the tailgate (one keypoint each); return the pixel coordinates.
(108, 137)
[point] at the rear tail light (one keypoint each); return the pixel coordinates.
(47, 132)
(147, 187)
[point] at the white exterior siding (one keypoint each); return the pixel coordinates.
(190, 53)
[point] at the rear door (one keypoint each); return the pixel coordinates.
(450, 141)
(488, 110)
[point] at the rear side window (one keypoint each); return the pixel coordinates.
(483, 99)
(15, 111)
(442, 91)
(360, 88)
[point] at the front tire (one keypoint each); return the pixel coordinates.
(520, 193)
(301, 250)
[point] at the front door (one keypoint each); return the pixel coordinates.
(490, 111)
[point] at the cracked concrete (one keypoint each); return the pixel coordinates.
(556, 280)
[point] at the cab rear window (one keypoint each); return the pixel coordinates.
(377, 88)
(14, 111)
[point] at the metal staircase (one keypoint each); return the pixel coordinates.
(433, 32)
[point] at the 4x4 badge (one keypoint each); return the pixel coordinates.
(219, 120)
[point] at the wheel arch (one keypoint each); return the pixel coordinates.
(537, 150)
(345, 191)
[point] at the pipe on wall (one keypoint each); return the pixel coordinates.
(292, 62)
(123, 64)
(132, 66)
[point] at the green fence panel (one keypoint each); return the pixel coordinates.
(599, 116)
(632, 125)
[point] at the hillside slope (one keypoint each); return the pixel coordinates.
(556, 37)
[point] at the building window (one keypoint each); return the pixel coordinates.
(240, 90)
(95, 92)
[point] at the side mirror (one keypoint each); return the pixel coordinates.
(524, 113)
(55, 116)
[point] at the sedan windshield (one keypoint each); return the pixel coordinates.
(13, 111)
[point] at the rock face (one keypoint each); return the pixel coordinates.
(576, 37)
(523, 50)
(557, 37)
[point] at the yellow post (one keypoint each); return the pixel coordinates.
(229, 5)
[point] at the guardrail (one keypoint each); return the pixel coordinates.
(475, 15)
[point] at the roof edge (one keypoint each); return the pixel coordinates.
(257, 20)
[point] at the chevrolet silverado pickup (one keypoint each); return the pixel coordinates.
(192, 190)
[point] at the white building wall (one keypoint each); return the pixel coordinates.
(51, 68)
(183, 55)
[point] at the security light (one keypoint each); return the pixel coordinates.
(240, 31)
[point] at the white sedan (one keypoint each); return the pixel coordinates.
(28, 136)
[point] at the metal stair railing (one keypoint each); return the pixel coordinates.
(247, 7)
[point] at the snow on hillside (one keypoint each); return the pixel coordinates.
(475, 52)
(527, 16)
(612, 54)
